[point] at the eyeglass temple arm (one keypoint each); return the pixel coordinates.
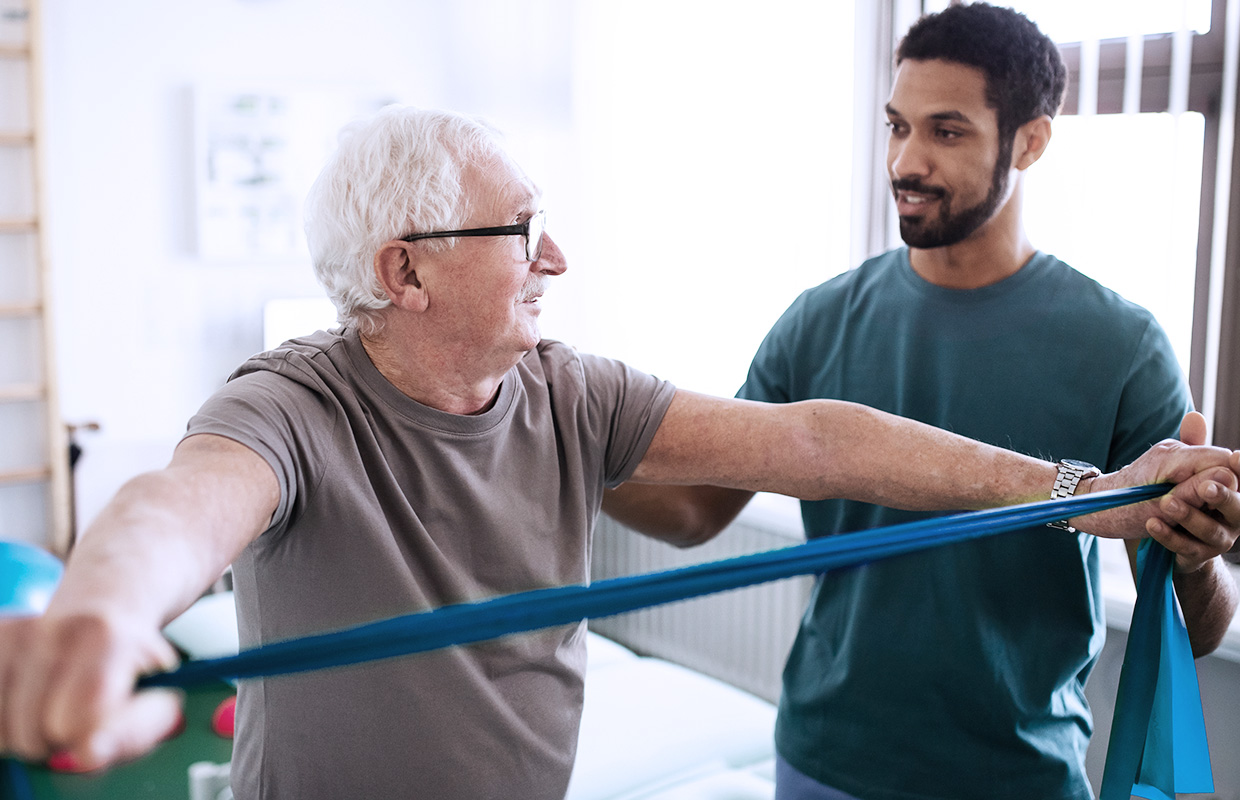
(503, 230)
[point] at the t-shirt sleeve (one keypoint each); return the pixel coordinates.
(626, 408)
(270, 414)
(1155, 399)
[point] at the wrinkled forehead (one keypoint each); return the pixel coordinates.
(497, 187)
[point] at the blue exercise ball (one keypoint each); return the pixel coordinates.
(28, 576)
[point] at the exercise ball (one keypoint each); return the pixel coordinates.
(28, 576)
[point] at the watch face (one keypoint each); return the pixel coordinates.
(1072, 462)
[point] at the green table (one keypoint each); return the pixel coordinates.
(162, 774)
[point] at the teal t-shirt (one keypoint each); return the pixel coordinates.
(958, 672)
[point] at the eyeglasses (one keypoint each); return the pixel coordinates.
(531, 229)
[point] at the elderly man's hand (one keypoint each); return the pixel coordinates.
(67, 692)
(1199, 518)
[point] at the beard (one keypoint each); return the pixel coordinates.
(949, 226)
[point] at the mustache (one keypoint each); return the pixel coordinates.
(534, 288)
(914, 185)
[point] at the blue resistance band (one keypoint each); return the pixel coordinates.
(525, 611)
(1158, 744)
(1158, 738)
(1158, 741)
(14, 782)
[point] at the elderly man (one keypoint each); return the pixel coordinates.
(971, 329)
(434, 450)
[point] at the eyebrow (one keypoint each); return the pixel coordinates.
(942, 116)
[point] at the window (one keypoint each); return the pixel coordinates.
(716, 145)
(1145, 136)
(1147, 133)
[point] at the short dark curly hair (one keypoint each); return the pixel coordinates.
(1025, 74)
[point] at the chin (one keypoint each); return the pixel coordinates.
(530, 340)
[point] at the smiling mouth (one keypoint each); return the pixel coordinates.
(914, 201)
(915, 193)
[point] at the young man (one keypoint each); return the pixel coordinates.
(436, 450)
(958, 673)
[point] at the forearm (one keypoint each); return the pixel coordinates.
(168, 534)
(830, 449)
(1208, 597)
(146, 557)
(823, 449)
(680, 515)
(888, 460)
(70, 672)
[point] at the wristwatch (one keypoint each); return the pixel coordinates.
(1070, 474)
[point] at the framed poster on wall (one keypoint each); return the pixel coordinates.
(257, 152)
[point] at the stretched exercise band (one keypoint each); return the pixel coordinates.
(473, 622)
(1157, 744)
(1157, 748)
(1158, 738)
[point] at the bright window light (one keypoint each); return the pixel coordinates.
(1117, 197)
(1074, 21)
(716, 140)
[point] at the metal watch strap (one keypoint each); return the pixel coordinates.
(1070, 474)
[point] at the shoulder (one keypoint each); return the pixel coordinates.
(572, 379)
(1084, 290)
(302, 384)
(554, 359)
(554, 355)
(1084, 300)
(304, 356)
(328, 368)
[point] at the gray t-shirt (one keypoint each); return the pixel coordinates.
(389, 507)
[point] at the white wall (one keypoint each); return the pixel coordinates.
(694, 157)
(145, 328)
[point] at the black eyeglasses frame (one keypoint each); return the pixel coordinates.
(522, 229)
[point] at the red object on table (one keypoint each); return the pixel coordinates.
(223, 721)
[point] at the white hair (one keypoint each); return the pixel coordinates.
(393, 174)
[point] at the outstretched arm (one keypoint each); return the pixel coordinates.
(825, 448)
(68, 675)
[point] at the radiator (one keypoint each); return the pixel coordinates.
(741, 636)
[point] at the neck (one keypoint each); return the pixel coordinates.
(996, 250)
(435, 377)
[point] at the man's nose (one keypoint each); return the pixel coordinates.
(552, 259)
(908, 157)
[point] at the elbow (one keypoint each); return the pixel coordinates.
(684, 529)
(697, 522)
(679, 515)
(1205, 644)
(1208, 608)
(693, 532)
(1207, 633)
(1210, 630)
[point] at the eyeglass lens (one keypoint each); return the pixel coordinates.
(533, 242)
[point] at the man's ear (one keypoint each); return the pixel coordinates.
(1031, 141)
(396, 268)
